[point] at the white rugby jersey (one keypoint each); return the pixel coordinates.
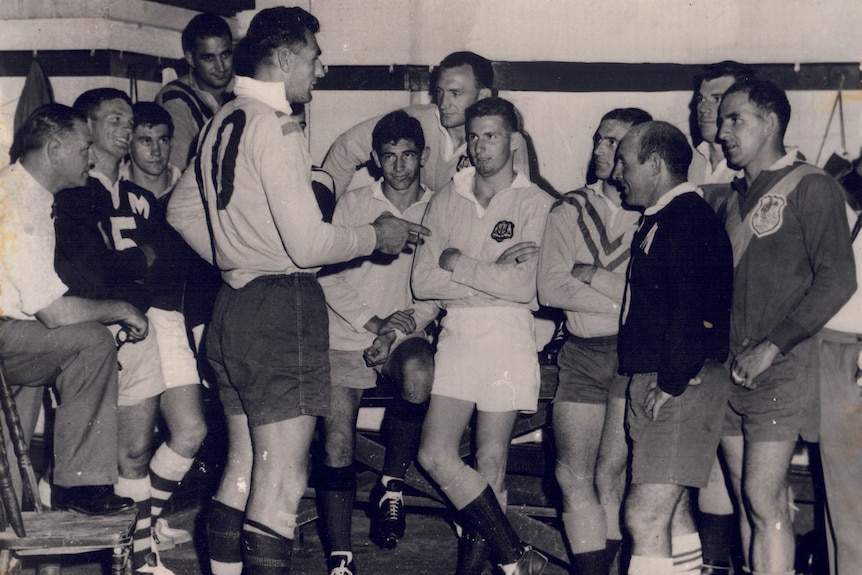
(254, 170)
(516, 214)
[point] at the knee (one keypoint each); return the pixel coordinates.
(136, 449)
(339, 448)
(767, 505)
(417, 377)
(431, 459)
(643, 521)
(95, 339)
(188, 438)
(491, 463)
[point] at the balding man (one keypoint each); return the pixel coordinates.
(672, 339)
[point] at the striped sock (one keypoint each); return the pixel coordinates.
(139, 491)
(167, 469)
(687, 555)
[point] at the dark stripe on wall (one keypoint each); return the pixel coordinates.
(511, 76)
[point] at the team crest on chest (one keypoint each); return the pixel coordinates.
(503, 231)
(768, 215)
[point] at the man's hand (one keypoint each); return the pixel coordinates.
(378, 351)
(449, 259)
(654, 399)
(584, 272)
(394, 233)
(519, 253)
(401, 320)
(135, 323)
(752, 361)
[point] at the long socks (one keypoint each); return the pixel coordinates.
(224, 529)
(336, 493)
(139, 491)
(167, 469)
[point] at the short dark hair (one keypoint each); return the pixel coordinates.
(396, 126)
(494, 107)
(669, 143)
(150, 114)
(46, 122)
(631, 116)
(269, 30)
(204, 26)
(482, 68)
(87, 102)
(739, 72)
(767, 97)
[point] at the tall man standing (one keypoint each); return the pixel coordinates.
(261, 225)
(582, 266)
(709, 166)
(481, 265)
(793, 270)
(673, 338)
(193, 99)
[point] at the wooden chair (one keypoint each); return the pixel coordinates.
(43, 533)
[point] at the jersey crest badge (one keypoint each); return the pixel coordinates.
(768, 215)
(503, 231)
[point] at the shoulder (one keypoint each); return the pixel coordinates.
(573, 200)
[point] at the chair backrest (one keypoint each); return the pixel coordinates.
(11, 511)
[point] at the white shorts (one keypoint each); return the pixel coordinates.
(488, 356)
(179, 366)
(140, 375)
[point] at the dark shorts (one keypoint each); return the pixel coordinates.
(588, 371)
(269, 346)
(783, 406)
(679, 447)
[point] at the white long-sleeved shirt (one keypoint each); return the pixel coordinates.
(456, 220)
(256, 177)
(28, 282)
(371, 286)
(586, 227)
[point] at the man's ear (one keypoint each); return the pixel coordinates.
(516, 141)
(484, 93)
(53, 149)
(654, 161)
(189, 59)
(423, 157)
(771, 119)
(376, 159)
(285, 58)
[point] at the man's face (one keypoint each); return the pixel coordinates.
(744, 130)
(605, 143)
(636, 184)
(73, 157)
(111, 128)
(456, 91)
(489, 144)
(305, 69)
(212, 62)
(150, 149)
(401, 162)
(708, 99)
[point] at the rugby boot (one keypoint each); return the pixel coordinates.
(387, 513)
(473, 553)
(531, 563)
(341, 564)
